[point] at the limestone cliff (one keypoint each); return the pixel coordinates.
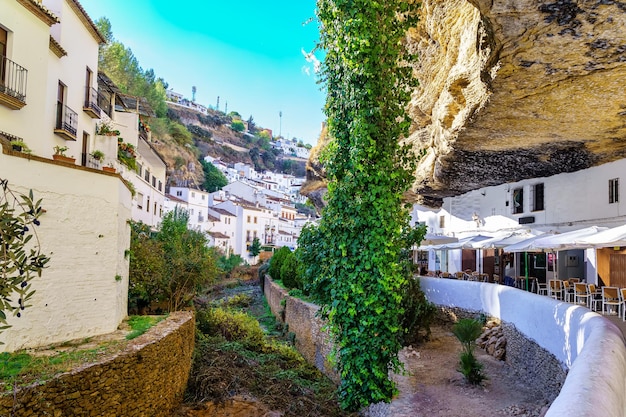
(514, 89)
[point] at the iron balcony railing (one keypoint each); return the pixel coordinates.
(67, 119)
(91, 100)
(13, 79)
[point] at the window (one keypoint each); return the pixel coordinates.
(203, 196)
(147, 175)
(537, 195)
(179, 193)
(153, 181)
(442, 222)
(139, 169)
(518, 200)
(160, 186)
(193, 195)
(247, 236)
(155, 208)
(255, 220)
(139, 201)
(148, 204)
(614, 191)
(248, 219)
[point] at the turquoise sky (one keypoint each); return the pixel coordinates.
(249, 53)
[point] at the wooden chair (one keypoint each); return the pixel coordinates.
(622, 294)
(445, 275)
(496, 279)
(568, 292)
(595, 297)
(542, 288)
(459, 275)
(574, 280)
(555, 289)
(610, 298)
(581, 294)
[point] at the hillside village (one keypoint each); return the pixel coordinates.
(70, 134)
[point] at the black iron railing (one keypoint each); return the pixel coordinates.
(91, 100)
(67, 119)
(13, 79)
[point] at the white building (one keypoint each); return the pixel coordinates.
(559, 203)
(196, 202)
(49, 53)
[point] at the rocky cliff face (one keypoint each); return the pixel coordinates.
(514, 89)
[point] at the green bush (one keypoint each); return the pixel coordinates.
(418, 314)
(289, 272)
(228, 264)
(232, 326)
(238, 126)
(276, 262)
(467, 331)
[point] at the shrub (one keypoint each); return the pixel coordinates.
(276, 262)
(467, 331)
(289, 272)
(263, 269)
(232, 326)
(418, 314)
(228, 264)
(238, 126)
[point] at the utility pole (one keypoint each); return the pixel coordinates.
(218, 103)
(226, 108)
(280, 124)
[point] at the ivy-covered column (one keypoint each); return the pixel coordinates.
(353, 257)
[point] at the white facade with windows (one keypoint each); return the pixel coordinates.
(196, 202)
(560, 203)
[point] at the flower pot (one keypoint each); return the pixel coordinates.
(64, 158)
(17, 148)
(108, 169)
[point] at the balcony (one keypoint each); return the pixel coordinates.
(13, 79)
(91, 103)
(67, 122)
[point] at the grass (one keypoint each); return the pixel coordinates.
(20, 368)
(140, 324)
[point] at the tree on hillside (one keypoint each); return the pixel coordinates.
(213, 178)
(251, 126)
(238, 126)
(121, 66)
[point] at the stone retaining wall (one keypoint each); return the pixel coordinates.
(300, 317)
(148, 378)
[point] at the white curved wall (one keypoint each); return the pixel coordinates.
(589, 345)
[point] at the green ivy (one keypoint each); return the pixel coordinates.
(353, 258)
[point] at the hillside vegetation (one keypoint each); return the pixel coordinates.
(182, 135)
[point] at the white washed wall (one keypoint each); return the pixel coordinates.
(84, 231)
(590, 346)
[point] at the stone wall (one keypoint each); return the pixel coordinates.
(148, 378)
(300, 317)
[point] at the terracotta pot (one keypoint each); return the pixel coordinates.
(108, 169)
(63, 158)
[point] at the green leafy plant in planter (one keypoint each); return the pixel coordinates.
(106, 130)
(126, 154)
(97, 155)
(59, 154)
(20, 146)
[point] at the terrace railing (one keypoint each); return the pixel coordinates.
(13, 79)
(66, 122)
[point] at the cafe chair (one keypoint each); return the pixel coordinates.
(610, 299)
(555, 289)
(581, 294)
(595, 297)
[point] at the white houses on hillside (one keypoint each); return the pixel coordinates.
(48, 98)
(196, 202)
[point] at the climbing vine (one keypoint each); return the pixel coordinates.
(353, 258)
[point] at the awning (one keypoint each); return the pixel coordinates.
(465, 243)
(555, 242)
(526, 245)
(606, 238)
(502, 241)
(431, 240)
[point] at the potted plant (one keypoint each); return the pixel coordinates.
(109, 168)
(20, 146)
(59, 155)
(105, 129)
(97, 155)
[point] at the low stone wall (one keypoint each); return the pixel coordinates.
(310, 339)
(148, 378)
(547, 339)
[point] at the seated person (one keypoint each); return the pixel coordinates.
(509, 273)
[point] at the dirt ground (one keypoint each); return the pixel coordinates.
(433, 386)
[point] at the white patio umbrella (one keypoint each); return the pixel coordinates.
(526, 245)
(431, 239)
(615, 236)
(567, 240)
